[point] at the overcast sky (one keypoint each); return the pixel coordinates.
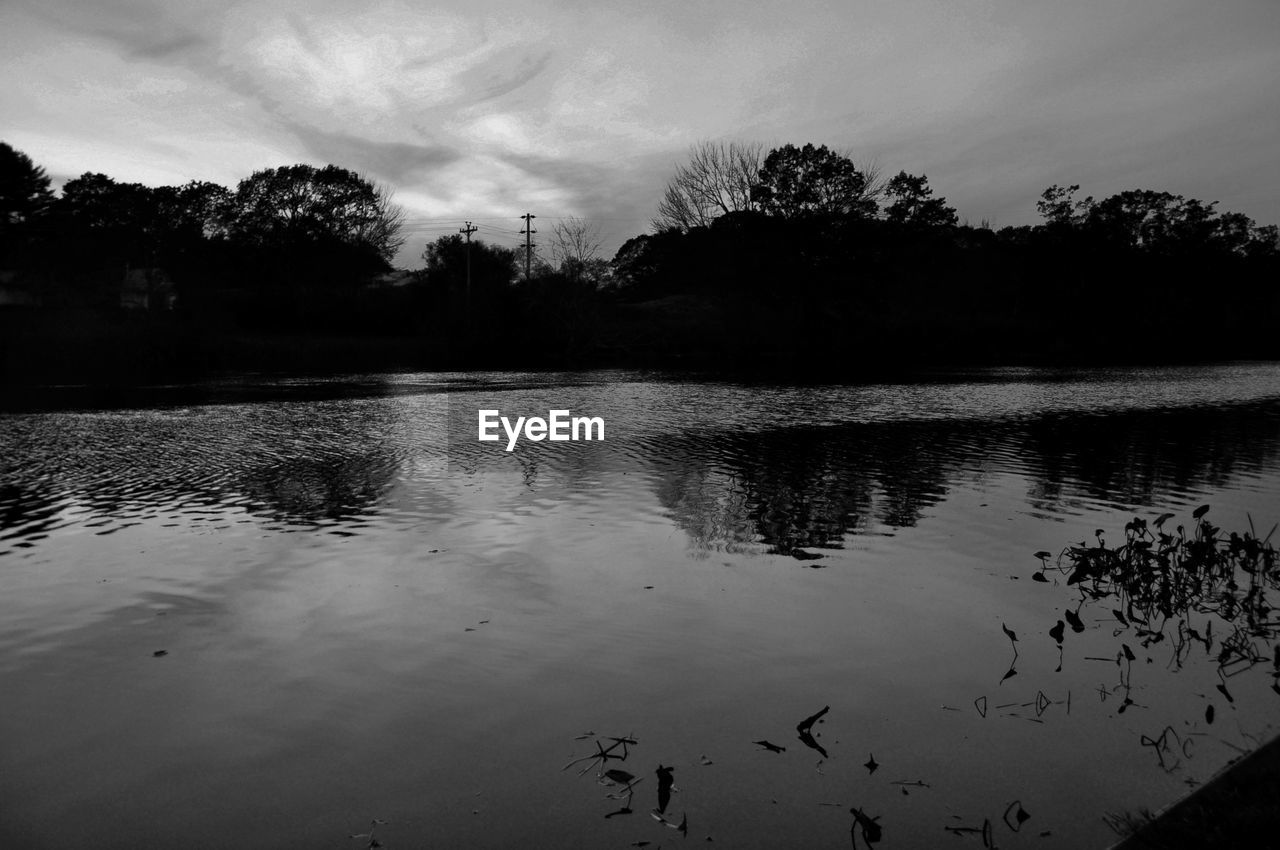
(485, 110)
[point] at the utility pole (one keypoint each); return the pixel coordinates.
(467, 231)
(528, 246)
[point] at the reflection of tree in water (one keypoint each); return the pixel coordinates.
(1132, 456)
(305, 462)
(797, 488)
(321, 488)
(708, 503)
(804, 490)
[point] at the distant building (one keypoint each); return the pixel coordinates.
(147, 289)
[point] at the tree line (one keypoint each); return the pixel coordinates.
(289, 248)
(298, 225)
(797, 254)
(807, 254)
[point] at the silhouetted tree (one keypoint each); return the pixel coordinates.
(1142, 218)
(198, 208)
(94, 201)
(493, 267)
(575, 244)
(1155, 221)
(24, 188)
(25, 199)
(1264, 241)
(1058, 205)
(796, 181)
(911, 202)
(303, 204)
(103, 227)
(717, 180)
(656, 263)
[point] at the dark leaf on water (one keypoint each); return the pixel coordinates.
(1009, 675)
(665, 781)
(1200, 511)
(801, 555)
(1128, 653)
(804, 728)
(1058, 632)
(806, 738)
(1019, 815)
(871, 831)
(1073, 619)
(1042, 554)
(622, 811)
(773, 748)
(1120, 616)
(807, 724)
(1009, 632)
(160, 653)
(1223, 690)
(1208, 714)
(620, 776)
(1038, 576)
(871, 764)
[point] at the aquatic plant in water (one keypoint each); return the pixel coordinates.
(1178, 587)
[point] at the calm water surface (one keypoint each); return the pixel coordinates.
(365, 613)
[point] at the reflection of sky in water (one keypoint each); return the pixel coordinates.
(312, 565)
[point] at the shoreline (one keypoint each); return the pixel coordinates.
(250, 385)
(40, 349)
(1236, 806)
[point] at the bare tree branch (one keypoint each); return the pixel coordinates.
(574, 239)
(717, 180)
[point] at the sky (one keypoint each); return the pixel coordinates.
(485, 110)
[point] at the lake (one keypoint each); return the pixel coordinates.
(265, 613)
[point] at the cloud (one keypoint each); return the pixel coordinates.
(393, 162)
(501, 77)
(568, 107)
